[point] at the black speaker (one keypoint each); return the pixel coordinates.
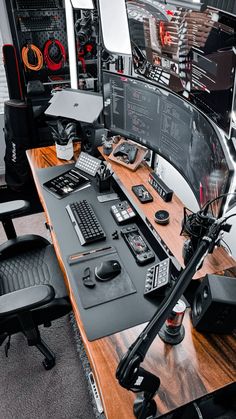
(18, 139)
(214, 305)
(91, 137)
(13, 72)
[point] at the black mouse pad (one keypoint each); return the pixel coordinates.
(103, 291)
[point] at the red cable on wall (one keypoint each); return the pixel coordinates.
(54, 64)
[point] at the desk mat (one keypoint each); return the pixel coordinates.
(102, 292)
(120, 313)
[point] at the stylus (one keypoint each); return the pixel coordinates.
(81, 255)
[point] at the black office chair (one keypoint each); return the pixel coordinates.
(32, 289)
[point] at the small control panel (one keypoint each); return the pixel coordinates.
(87, 163)
(162, 189)
(122, 212)
(138, 245)
(157, 278)
(142, 193)
(66, 183)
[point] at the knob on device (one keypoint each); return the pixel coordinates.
(162, 217)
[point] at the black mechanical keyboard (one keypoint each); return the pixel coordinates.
(38, 4)
(85, 222)
(38, 23)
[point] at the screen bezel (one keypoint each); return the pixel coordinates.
(219, 135)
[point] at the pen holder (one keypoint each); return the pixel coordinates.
(103, 183)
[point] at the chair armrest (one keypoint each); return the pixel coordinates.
(25, 299)
(12, 208)
(22, 244)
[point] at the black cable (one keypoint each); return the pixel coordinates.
(226, 247)
(227, 218)
(208, 203)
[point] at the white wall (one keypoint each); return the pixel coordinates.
(176, 182)
(4, 24)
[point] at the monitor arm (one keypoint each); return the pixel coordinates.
(129, 373)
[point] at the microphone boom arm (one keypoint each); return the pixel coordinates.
(129, 373)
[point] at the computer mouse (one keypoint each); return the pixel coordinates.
(108, 269)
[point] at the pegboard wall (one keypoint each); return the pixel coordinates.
(37, 4)
(38, 27)
(35, 22)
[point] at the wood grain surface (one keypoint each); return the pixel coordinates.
(170, 234)
(200, 364)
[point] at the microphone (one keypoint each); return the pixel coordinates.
(194, 227)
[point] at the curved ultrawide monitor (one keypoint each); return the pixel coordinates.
(171, 127)
(189, 52)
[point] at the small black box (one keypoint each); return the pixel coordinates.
(214, 305)
(161, 188)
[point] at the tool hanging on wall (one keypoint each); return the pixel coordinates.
(81, 57)
(54, 54)
(84, 28)
(32, 57)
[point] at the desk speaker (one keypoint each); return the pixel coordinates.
(91, 137)
(13, 72)
(214, 305)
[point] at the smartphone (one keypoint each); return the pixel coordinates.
(107, 197)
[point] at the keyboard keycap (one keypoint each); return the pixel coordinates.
(85, 222)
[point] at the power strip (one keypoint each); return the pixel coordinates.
(95, 393)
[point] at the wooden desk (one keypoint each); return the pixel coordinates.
(170, 233)
(199, 365)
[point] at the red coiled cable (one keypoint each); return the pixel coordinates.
(52, 63)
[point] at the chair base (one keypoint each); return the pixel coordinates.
(50, 358)
(34, 339)
(32, 334)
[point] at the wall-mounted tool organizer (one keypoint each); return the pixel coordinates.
(39, 34)
(86, 28)
(35, 23)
